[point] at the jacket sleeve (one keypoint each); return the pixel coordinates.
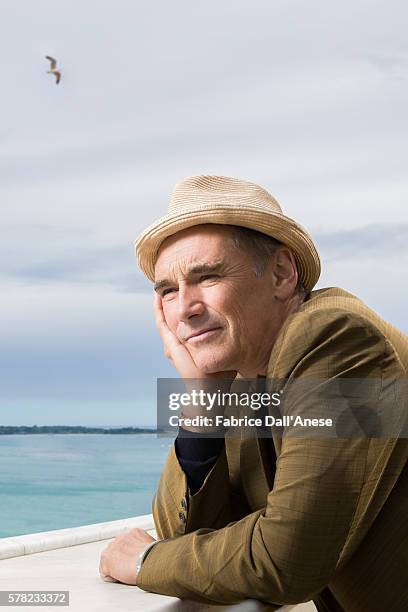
(288, 551)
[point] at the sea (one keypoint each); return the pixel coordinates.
(55, 481)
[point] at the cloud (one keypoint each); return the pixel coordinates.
(41, 254)
(391, 65)
(116, 266)
(307, 101)
(385, 241)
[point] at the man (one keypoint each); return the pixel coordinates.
(287, 518)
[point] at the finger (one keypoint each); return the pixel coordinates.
(103, 570)
(157, 303)
(159, 317)
(158, 311)
(140, 535)
(170, 340)
(108, 578)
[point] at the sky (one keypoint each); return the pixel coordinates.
(306, 99)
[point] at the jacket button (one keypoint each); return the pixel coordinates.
(184, 504)
(182, 517)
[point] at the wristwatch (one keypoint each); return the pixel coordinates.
(144, 554)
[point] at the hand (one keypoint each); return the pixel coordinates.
(119, 558)
(178, 353)
(194, 379)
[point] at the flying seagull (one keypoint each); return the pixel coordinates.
(54, 70)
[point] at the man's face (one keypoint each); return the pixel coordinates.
(213, 301)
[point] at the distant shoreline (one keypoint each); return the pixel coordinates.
(66, 429)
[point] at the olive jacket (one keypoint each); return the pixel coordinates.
(328, 520)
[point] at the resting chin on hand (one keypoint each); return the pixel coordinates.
(193, 378)
(119, 559)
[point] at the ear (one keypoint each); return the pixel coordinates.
(284, 272)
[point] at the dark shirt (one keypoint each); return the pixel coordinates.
(198, 452)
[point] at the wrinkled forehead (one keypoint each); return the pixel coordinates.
(199, 246)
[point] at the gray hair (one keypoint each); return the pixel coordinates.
(262, 247)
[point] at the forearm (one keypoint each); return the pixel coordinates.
(281, 554)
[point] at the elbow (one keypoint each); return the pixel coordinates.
(288, 584)
(296, 588)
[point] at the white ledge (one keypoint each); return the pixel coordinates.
(68, 560)
(63, 538)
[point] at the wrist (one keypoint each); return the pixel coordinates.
(142, 556)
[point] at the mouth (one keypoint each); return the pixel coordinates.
(204, 334)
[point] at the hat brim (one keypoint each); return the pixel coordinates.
(276, 225)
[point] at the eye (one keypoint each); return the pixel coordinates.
(205, 277)
(167, 291)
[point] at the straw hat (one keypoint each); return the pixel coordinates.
(228, 201)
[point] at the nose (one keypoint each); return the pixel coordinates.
(190, 303)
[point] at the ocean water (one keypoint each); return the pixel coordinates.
(54, 481)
